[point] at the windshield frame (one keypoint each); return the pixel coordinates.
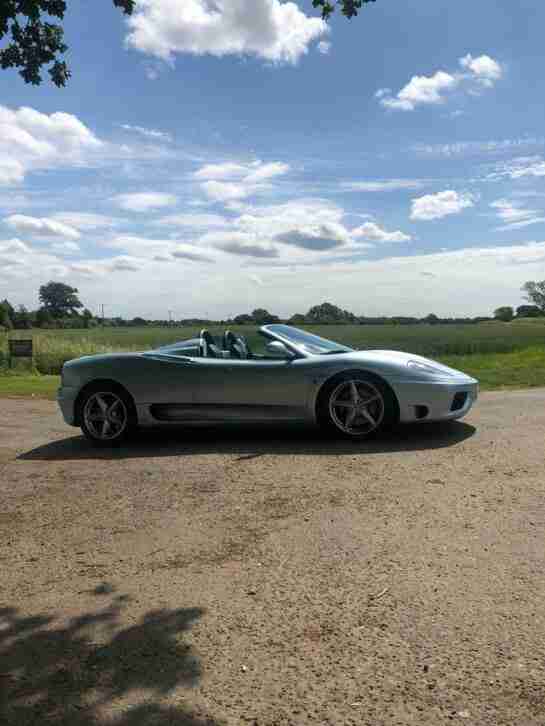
(271, 331)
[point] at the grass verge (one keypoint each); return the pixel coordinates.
(29, 386)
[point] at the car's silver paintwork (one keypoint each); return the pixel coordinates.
(168, 386)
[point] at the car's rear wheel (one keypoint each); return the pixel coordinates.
(357, 405)
(106, 415)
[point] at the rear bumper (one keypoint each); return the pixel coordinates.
(434, 401)
(66, 398)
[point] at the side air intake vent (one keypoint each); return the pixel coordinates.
(459, 401)
(421, 412)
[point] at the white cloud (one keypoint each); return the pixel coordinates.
(240, 243)
(421, 90)
(269, 29)
(41, 227)
(226, 191)
(465, 148)
(65, 248)
(316, 237)
(324, 46)
(485, 69)
(434, 90)
(382, 185)
(148, 133)
(144, 201)
(373, 233)
(515, 215)
(441, 204)
(85, 221)
(220, 172)
(187, 252)
(521, 167)
(193, 221)
(32, 140)
(231, 181)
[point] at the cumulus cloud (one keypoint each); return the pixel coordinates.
(41, 227)
(421, 90)
(33, 140)
(515, 215)
(239, 245)
(484, 68)
(226, 191)
(268, 29)
(382, 185)
(433, 90)
(441, 204)
(374, 233)
(144, 201)
(232, 181)
(315, 237)
(186, 253)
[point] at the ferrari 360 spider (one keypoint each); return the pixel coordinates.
(298, 377)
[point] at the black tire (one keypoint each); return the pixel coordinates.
(119, 419)
(385, 409)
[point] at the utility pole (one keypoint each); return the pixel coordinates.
(170, 317)
(102, 308)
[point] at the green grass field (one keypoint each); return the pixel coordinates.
(498, 354)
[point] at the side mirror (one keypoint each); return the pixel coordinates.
(279, 350)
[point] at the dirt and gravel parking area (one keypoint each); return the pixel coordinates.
(268, 576)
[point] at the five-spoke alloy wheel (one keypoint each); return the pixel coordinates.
(106, 416)
(357, 405)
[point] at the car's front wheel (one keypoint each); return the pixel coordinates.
(357, 405)
(107, 415)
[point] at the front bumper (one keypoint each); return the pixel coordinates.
(434, 400)
(66, 398)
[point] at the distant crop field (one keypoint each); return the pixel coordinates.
(54, 347)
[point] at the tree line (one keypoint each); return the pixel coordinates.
(61, 308)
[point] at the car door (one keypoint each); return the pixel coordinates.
(166, 379)
(253, 389)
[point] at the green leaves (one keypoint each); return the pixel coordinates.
(349, 8)
(35, 42)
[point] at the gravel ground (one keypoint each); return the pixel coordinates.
(274, 577)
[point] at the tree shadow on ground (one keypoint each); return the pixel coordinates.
(54, 672)
(253, 441)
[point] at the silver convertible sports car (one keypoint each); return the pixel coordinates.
(297, 377)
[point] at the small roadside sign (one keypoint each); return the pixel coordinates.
(20, 348)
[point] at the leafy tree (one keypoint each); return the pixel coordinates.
(243, 320)
(297, 319)
(262, 317)
(529, 311)
(43, 318)
(5, 320)
(505, 313)
(59, 299)
(22, 319)
(431, 319)
(326, 314)
(349, 8)
(87, 317)
(36, 42)
(535, 293)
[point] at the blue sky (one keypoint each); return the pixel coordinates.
(212, 157)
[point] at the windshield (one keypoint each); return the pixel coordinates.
(307, 342)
